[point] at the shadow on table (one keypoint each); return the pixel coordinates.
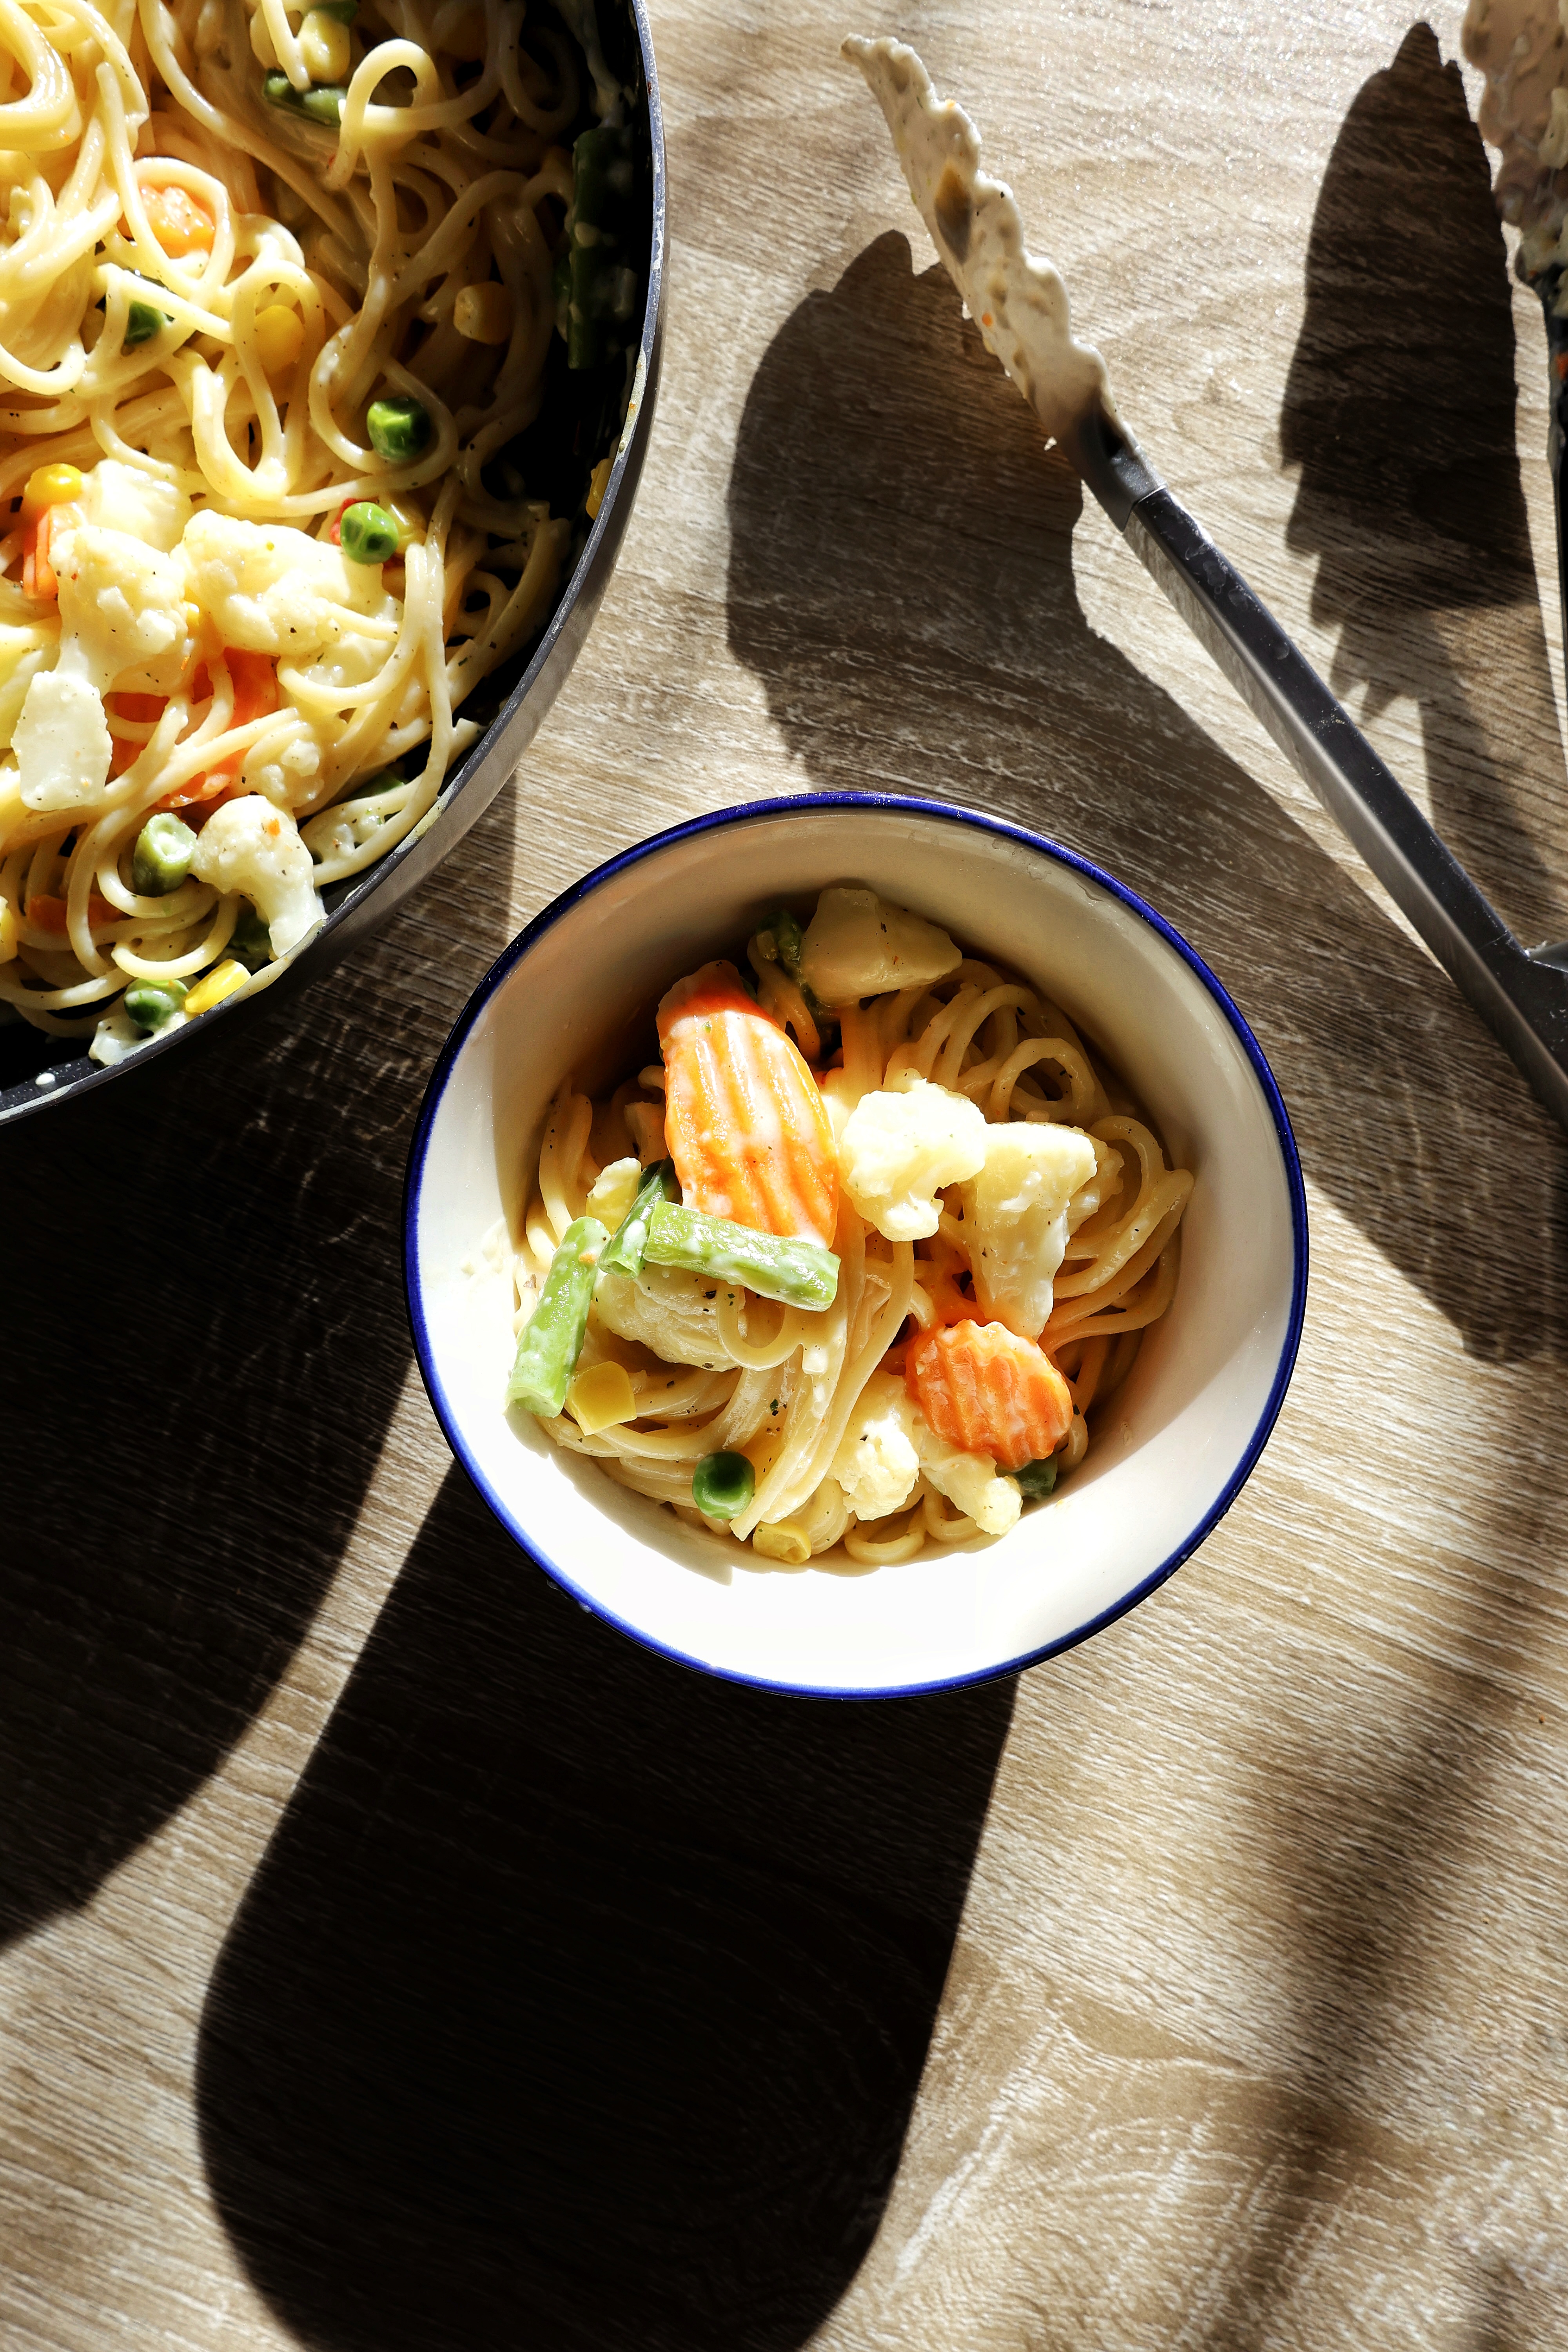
(205, 1339)
(581, 1999)
(900, 580)
(1399, 410)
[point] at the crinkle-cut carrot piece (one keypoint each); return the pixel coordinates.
(745, 1124)
(181, 225)
(983, 1387)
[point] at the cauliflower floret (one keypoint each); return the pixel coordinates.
(26, 648)
(856, 945)
(274, 590)
(247, 845)
(62, 742)
(122, 606)
(1015, 1214)
(899, 1148)
(890, 1441)
(667, 1309)
(970, 1480)
(123, 497)
(877, 1465)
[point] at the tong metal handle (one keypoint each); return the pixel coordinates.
(1523, 997)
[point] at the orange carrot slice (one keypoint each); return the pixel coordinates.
(46, 913)
(744, 1123)
(181, 225)
(254, 677)
(983, 1387)
(38, 571)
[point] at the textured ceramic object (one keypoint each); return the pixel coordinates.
(1173, 1449)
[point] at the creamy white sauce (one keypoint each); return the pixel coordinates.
(1017, 300)
(1521, 47)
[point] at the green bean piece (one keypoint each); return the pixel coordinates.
(368, 534)
(787, 938)
(799, 1274)
(322, 104)
(561, 290)
(162, 857)
(629, 1242)
(250, 941)
(143, 323)
(1036, 1478)
(341, 12)
(399, 426)
(552, 1341)
(150, 1003)
(722, 1484)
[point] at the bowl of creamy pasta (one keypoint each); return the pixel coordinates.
(855, 1245)
(329, 337)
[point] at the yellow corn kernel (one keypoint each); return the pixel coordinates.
(9, 930)
(785, 1541)
(324, 49)
(598, 483)
(600, 1397)
(50, 485)
(482, 313)
(280, 335)
(214, 986)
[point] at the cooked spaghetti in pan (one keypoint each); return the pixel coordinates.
(316, 329)
(858, 1259)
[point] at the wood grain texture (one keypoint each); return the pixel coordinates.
(393, 1956)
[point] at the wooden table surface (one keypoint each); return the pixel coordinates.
(395, 1960)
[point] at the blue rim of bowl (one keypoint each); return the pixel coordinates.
(901, 804)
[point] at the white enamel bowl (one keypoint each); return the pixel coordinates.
(1187, 1427)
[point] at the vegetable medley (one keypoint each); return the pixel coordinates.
(853, 1262)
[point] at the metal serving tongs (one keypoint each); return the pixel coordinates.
(1021, 307)
(1520, 992)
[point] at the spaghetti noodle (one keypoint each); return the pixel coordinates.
(281, 295)
(1003, 1225)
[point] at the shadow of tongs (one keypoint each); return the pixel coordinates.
(1520, 993)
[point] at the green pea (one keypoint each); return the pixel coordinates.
(399, 426)
(722, 1484)
(250, 941)
(1036, 1478)
(151, 1002)
(368, 534)
(162, 857)
(143, 323)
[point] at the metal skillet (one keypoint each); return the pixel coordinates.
(53, 1071)
(1021, 307)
